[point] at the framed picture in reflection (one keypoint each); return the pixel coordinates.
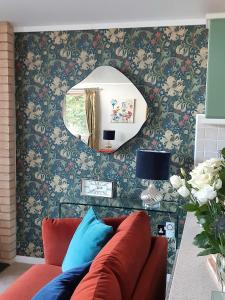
(122, 110)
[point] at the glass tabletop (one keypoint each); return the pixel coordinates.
(125, 201)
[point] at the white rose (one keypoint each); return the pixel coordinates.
(176, 181)
(205, 194)
(218, 184)
(200, 180)
(183, 191)
(205, 173)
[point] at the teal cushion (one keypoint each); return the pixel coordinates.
(89, 238)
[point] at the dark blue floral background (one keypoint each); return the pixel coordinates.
(167, 64)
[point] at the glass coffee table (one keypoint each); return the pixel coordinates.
(163, 212)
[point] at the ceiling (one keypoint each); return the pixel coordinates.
(28, 15)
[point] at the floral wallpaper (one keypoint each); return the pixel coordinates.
(168, 66)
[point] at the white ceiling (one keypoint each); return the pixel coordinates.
(31, 15)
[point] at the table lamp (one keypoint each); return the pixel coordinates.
(109, 135)
(152, 165)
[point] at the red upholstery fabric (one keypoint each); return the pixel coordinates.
(27, 285)
(152, 282)
(55, 230)
(56, 235)
(118, 265)
(100, 284)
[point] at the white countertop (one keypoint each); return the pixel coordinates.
(192, 278)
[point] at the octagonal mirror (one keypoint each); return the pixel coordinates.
(105, 110)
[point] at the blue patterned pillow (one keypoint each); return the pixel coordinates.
(63, 286)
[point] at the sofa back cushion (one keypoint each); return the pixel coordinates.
(117, 267)
(101, 283)
(57, 234)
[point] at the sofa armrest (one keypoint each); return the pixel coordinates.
(152, 281)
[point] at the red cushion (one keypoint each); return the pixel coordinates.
(57, 234)
(118, 265)
(101, 283)
(27, 285)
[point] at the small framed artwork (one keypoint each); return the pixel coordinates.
(122, 110)
(97, 188)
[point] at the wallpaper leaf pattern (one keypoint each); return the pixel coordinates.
(168, 66)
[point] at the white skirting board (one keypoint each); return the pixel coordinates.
(29, 260)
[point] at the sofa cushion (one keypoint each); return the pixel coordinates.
(55, 230)
(62, 286)
(119, 263)
(151, 284)
(89, 238)
(28, 284)
(100, 284)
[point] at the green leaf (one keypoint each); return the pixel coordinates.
(203, 219)
(222, 177)
(223, 152)
(207, 252)
(204, 208)
(222, 174)
(201, 240)
(190, 207)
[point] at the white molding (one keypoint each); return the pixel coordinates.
(201, 119)
(29, 260)
(214, 16)
(156, 23)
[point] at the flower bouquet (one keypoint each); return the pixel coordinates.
(205, 188)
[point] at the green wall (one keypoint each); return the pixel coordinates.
(215, 96)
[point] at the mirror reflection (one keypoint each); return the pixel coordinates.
(105, 110)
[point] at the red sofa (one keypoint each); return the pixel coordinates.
(132, 265)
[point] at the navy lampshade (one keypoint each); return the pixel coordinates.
(152, 165)
(109, 135)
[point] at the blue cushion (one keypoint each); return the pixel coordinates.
(91, 235)
(63, 286)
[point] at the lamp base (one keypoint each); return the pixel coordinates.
(108, 145)
(151, 197)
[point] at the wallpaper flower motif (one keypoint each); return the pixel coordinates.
(59, 136)
(201, 57)
(173, 87)
(115, 35)
(167, 64)
(33, 61)
(59, 87)
(34, 159)
(59, 37)
(86, 61)
(59, 184)
(85, 162)
(143, 60)
(171, 140)
(33, 206)
(175, 33)
(33, 111)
